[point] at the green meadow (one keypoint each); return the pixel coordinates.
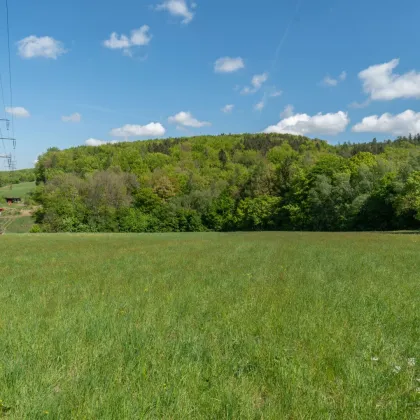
(17, 190)
(210, 326)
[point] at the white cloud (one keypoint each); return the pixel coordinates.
(18, 112)
(228, 64)
(95, 142)
(288, 111)
(257, 81)
(117, 42)
(259, 106)
(401, 124)
(304, 124)
(139, 37)
(129, 130)
(276, 93)
(45, 46)
(76, 117)
(329, 81)
(382, 84)
(187, 120)
(227, 109)
(178, 8)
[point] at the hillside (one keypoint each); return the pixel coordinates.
(230, 182)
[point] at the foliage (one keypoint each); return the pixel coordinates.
(35, 228)
(230, 182)
(16, 177)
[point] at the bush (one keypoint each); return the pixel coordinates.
(35, 229)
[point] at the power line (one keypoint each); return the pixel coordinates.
(10, 67)
(4, 107)
(2, 96)
(12, 159)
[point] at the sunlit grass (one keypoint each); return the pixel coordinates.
(244, 326)
(17, 190)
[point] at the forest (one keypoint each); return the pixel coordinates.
(16, 177)
(230, 183)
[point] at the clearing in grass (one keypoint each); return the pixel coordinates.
(249, 325)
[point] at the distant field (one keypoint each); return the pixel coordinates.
(221, 326)
(18, 190)
(21, 224)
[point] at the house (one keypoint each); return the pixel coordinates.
(13, 200)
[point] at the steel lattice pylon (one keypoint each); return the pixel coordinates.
(9, 156)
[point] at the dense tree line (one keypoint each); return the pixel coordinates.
(230, 182)
(16, 177)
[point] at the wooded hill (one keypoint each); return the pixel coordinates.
(230, 182)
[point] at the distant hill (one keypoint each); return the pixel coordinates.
(16, 177)
(231, 182)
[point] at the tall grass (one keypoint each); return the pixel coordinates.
(263, 325)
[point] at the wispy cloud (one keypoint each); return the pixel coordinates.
(178, 8)
(276, 93)
(74, 118)
(227, 109)
(359, 105)
(288, 111)
(260, 106)
(228, 64)
(257, 81)
(329, 81)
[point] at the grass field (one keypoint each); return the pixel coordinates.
(21, 224)
(221, 326)
(18, 190)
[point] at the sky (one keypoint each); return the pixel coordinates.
(90, 72)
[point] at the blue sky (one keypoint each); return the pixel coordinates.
(173, 66)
